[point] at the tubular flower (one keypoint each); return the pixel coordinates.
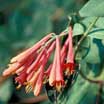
(30, 65)
(70, 55)
(56, 73)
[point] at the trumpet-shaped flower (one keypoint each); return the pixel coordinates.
(56, 73)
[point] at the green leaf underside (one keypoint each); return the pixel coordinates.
(93, 8)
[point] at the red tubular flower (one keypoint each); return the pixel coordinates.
(47, 72)
(32, 81)
(30, 76)
(70, 55)
(21, 72)
(30, 64)
(35, 81)
(26, 65)
(12, 68)
(40, 58)
(17, 67)
(24, 55)
(52, 76)
(21, 59)
(64, 51)
(56, 73)
(59, 71)
(35, 76)
(38, 86)
(35, 64)
(21, 78)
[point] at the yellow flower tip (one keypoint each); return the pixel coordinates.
(28, 88)
(13, 60)
(45, 80)
(68, 72)
(58, 86)
(18, 87)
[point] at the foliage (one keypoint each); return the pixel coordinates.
(28, 21)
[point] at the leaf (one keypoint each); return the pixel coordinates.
(95, 68)
(97, 33)
(84, 48)
(78, 29)
(94, 54)
(87, 20)
(92, 49)
(93, 8)
(100, 22)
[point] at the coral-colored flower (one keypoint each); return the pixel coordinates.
(29, 66)
(24, 55)
(56, 73)
(35, 64)
(70, 55)
(39, 83)
(35, 81)
(21, 79)
(17, 67)
(64, 51)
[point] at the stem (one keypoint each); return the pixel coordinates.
(84, 35)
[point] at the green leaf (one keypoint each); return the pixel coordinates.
(84, 47)
(92, 49)
(95, 52)
(95, 68)
(97, 33)
(87, 20)
(93, 8)
(78, 29)
(100, 22)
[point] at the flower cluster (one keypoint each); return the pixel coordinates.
(31, 65)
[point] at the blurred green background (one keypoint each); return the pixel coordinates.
(23, 23)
